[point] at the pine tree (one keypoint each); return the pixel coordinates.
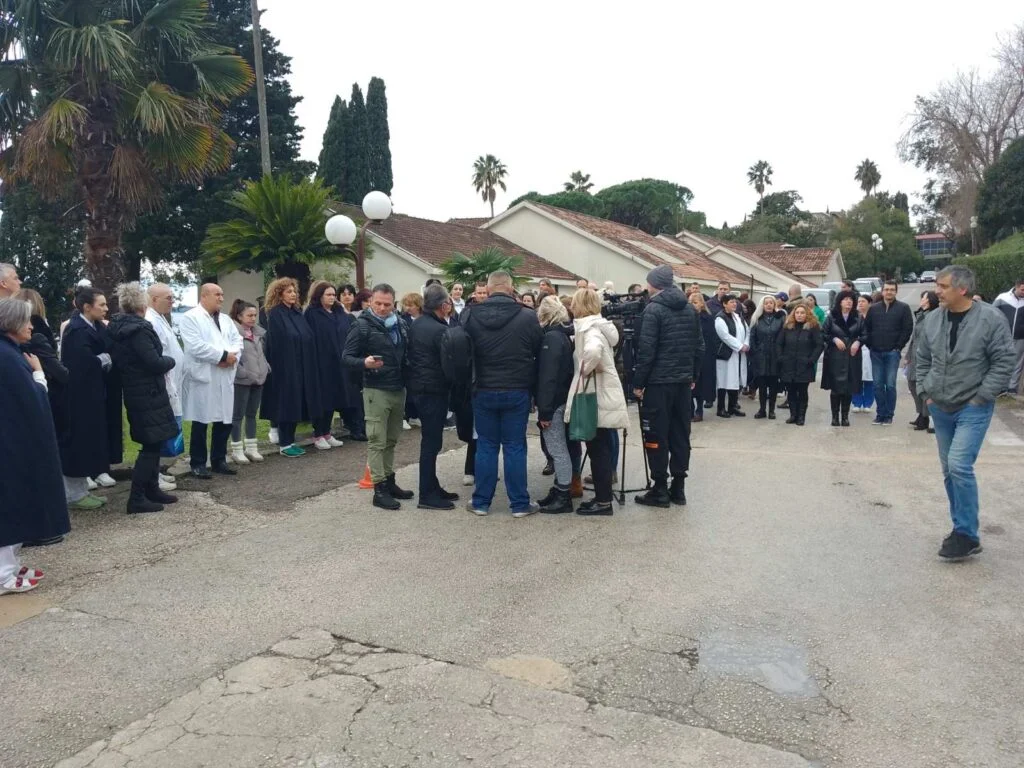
(331, 169)
(378, 137)
(357, 165)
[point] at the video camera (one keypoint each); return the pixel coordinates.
(624, 305)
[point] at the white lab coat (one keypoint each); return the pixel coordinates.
(208, 393)
(171, 348)
(732, 373)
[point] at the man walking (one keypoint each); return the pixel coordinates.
(506, 339)
(430, 392)
(377, 344)
(889, 326)
(212, 347)
(670, 349)
(1011, 304)
(964, 358)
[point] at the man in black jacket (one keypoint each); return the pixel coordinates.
(430, 391)
(506, 339)
(888, 327)
(670, 348)
(377, 344)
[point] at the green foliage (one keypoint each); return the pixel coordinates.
(379, 137)
(581, 202)
(901, 202)
(868, 176)
(653, 205)
(357, 157)
(578, 182)
(1001, 197)
(331, 167)
(852, 235)
(282, 224)
(171, 238)
(759, 176)
(998, 268)
(783, 205)
(470, 270)
(488, 174)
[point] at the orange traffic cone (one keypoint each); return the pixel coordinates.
(367, 482)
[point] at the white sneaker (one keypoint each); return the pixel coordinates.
(106, 480)
(468, 480)
(321, 444)
(18, 584)
(273, 436)
(476, 510)
(251, 450)
(415, 423)
(91, 484)
(406, 425)
(237, 454)
(532, 510)
(168, 478)
(333, 441)
(165, 486)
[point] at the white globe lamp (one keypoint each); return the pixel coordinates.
(376, 206)
(340, 230)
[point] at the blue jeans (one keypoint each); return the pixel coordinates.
(960, 435)
(613, 447)
(884, 366)
(866, 398)
(500, 418)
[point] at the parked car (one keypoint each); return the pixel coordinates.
(867, 285)
(832, 286)
(928, 276)
(824, 296)
(910, 277)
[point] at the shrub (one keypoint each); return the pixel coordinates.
(999, 267)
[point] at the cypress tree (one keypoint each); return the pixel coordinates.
(378, 137)
(357, 166)
(331, 168)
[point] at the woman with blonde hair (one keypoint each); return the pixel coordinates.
(292, 392)
(704, 391)
(554, 375)
(799, 346)
(594, 364)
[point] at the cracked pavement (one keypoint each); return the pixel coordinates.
(793, 614)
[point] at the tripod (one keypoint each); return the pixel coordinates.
(623, 447)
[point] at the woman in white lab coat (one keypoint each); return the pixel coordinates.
(731, 366)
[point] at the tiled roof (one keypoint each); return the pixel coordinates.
(472, 222)
(686, 263)
(796, 259)
(749, 251)
(435, 241)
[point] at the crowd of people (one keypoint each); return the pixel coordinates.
(479, 364)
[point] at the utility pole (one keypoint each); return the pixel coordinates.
(261, 87)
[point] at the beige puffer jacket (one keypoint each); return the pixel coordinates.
(595, 343)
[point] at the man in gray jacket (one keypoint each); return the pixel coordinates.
(964, 360)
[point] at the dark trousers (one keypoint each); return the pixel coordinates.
(840, 403)
(218, 443)
(734, 399)
(145, 473)
(433, 412)
(321, 425)
(599, 451)
(544, 448)
(286, 433)
(797, 397)
(767, 390)
(665, 420)
(575, 452)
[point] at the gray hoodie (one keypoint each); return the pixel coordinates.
(253, 368)
(977, 370)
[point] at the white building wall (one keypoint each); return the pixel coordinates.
(761, 275)
(240, 285)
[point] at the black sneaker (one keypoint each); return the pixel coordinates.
(222, 468)
(677, 491)
(396, 491)
(434, 502)
(549, 468)
(957, 546)
(382, 497)
(595, 507)
(448, 495)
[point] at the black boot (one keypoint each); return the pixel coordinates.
(382, 497)
(147, 465)
(395, 491)
(559, 503)
(762, 401)
(802, 414)
(677, 492)
(846, 412)
(794, 411)
(551, 496)
(595, 507)
(153, 493)
(771, 408)
(656, 496)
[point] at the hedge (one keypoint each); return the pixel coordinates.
(999, 267)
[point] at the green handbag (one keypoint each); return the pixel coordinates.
(583, 414)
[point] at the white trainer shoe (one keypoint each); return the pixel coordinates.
(273, 437)
(333, 441)
(106, 480)
(321, 444)
(165, 486)
(237, 453)
(468, 480)
(91, 484)
(251, 450)
(406, 425)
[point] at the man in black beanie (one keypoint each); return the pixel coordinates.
(670, 348)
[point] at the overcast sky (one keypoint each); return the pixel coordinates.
(690, 92)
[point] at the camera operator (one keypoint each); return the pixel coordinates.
(670, 348)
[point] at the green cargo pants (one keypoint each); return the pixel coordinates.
(385, 411)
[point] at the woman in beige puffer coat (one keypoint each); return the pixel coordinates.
(594, 357)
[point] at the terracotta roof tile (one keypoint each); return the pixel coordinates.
(478, 221)
(751, 252)
(686, 263)
(795, 259)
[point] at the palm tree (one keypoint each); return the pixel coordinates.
(868, 176)
(488, 174)
(105, 103)
(282, 226)
(470, 270)
(578, 182)
(760, 177)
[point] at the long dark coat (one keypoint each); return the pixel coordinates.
(764, 353)
(842, 372)
(93, 439)
(292, 392)
(799, 350)
(44, 346)
(32, 504)
(329, 331)
(139, 355)
(706, 385)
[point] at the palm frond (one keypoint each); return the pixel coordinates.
(160, 110)
(132, 180)
(16, 96)
(62, 121)
(179, 23)
(99, 51)
(183, 154)
(221, 76)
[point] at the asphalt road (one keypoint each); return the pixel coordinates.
(795, 607)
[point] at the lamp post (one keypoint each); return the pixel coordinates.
(342, 231)
(974, 235)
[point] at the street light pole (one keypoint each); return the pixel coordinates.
(974, 231)
(341, 230)
(261, 88)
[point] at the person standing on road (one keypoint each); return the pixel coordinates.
(888, 328)
(843, 369)
(670, 352)
(764, 354)
(800, 345)
(430, 391)
(161, 302)
(863, 400)
(378, 344)
(329, 325)
(705, 391)
(212, 350)
(1011, 304)
(731, 356)
(251, 376)
(965, 357)
(506, 339)
(554, 376)
(929, 303)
